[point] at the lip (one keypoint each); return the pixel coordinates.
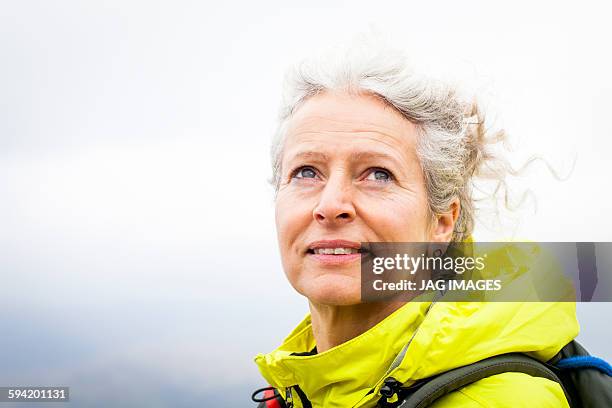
(334, 260)
(334, 243)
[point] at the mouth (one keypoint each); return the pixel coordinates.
(336, 251)
(335, 247)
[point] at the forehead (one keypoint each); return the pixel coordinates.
(342, 122)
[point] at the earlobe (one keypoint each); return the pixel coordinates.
(445, 223)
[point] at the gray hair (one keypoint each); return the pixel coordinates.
(453, 145)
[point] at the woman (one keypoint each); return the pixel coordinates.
(367, 151)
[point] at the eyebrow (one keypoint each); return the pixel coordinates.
(310, 155)
(357, 156)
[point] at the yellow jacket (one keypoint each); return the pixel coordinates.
(441, 337)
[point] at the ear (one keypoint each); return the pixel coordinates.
(444, 224)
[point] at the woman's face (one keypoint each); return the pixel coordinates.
(350, 174)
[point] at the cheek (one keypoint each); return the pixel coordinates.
(292, 216)
(398, 217)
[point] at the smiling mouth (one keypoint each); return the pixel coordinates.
(337, 252)
(334, 251)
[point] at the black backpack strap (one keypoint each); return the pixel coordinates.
(425, 392)
(589, 387)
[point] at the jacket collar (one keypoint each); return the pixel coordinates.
(345, 374)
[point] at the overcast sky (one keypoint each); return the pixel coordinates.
(136, 222)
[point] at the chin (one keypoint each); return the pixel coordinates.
(333, 290)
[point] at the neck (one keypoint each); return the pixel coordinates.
(334, 325)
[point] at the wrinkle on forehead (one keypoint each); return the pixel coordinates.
(354, 124)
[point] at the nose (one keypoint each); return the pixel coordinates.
(335, 206)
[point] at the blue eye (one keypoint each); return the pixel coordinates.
(379, 175)
(305, 172)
